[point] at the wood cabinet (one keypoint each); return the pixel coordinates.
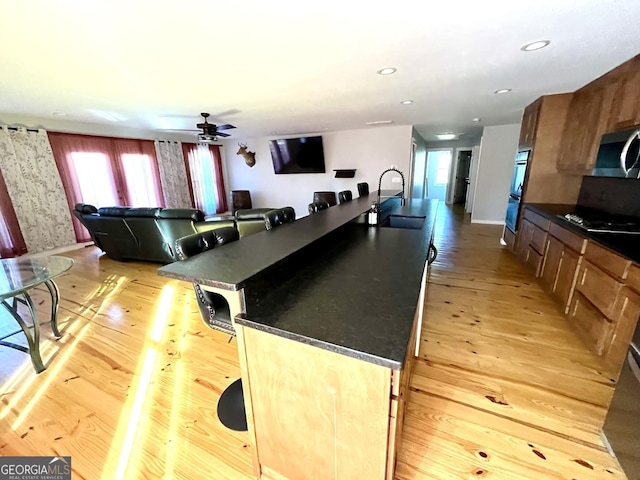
(597, 288)
(625, 90)
(563, 255)
(541, 131)
(609, 103)
(307, 416)
(582, 132)
(529, 125)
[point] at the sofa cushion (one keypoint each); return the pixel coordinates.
(112, 211)
(142, 212)
(184, 213)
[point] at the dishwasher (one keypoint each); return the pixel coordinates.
(622, 424)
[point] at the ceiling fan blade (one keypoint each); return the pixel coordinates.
(226, 126)
(222, 134)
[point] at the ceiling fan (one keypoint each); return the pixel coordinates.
(210, 132)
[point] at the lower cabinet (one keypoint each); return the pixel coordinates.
(597, 288)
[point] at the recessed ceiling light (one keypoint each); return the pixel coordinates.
(386, 71)
(406, 102)
(60, 114)
(447, 136)
(379, 122)
(476, 120)
(502, 90)
(530, 47)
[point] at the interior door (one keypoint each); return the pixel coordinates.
(462, 177)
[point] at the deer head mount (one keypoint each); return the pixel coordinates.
(249, 157)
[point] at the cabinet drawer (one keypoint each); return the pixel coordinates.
(538, 239)
(537, 219)
(570, 239)
(599, 288)
(533, 260)
(633, 277)
(607, 260)
(595, 329)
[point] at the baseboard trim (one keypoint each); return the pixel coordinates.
(488, 222)
(55, 251)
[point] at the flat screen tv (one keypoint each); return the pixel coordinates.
(297, 155)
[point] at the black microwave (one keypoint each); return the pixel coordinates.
(619, 155)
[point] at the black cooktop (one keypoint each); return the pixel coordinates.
(599, 222)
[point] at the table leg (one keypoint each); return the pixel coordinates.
(32, 340)
(55, 299)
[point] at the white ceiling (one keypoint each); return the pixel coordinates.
(293, 66)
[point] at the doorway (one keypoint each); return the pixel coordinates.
(461, 181)
(437, 173)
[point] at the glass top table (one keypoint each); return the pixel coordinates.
(17, 277)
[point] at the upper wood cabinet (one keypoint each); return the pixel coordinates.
(608, 104)
(581, 132)
(625, 93)
(529, 124)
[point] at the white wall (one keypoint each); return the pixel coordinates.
(495, 168)
(370, 151)
(419, 166)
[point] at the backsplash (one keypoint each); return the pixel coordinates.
(617, 196)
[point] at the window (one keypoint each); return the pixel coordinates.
(105, 172)
(91, 169)
(139, 175)
(204, 172)
(442, 169)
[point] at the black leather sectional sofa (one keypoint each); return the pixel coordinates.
(147, 234)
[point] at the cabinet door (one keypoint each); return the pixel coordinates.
(594, 327)
(525, 232)
(582, 131)
(551, 264)
(566, 277)
(529, 124)
(625, 110)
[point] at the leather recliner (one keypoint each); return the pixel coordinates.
(250, 221)
(146, 234)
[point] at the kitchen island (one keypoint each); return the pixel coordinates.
(327, 323)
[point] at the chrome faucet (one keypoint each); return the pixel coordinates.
(380, 183)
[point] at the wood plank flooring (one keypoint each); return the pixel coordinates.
(503, 389)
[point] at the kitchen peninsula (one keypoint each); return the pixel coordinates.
(327, 323)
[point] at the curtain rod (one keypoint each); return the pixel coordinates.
(34, 130)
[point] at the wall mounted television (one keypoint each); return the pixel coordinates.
(297, 155)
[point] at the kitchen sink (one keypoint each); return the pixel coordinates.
(403, 221)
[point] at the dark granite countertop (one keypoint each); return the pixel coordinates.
(358, 297)
(623, 244)
(229, 267)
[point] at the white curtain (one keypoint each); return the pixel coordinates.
(34, 186)
(173, 174)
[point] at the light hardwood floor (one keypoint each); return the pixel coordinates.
(503, 388)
